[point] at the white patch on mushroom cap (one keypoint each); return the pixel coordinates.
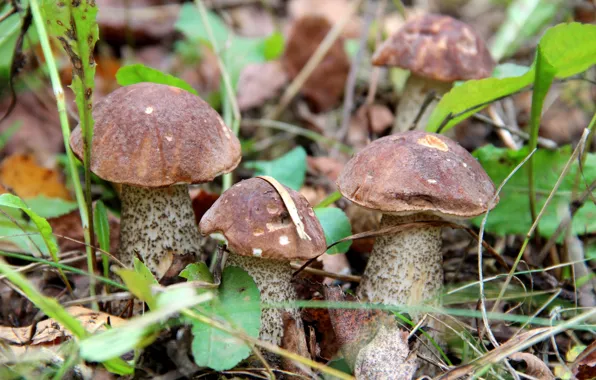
(225, 128)
(432, 181)
(149, 110)
(169, 138)
(283, 240)
(464, 164)
(257, 252)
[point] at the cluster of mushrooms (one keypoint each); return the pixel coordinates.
(155, 140)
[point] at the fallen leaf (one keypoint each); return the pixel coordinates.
(294, 340)
(337, 264)
(327, 166)
(201, 202)
(368, 120)
(328, 346)
(354, 328)
(49, 332)
(325, 85)
(22, 175)
(535, 367)
(260, 82)
(584, 367)
(252, 21)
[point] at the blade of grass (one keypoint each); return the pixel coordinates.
(61, 104)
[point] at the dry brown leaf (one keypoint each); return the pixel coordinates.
(327, 166)
(21, 174)
(584, 367)
(49, 332)
(325, 85)
(337, 264)
(333, 10)
(536, 367)
(328, 346)
(201, 202)
(260, 82)
(294, 340)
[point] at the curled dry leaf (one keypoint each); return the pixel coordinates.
(294, 340)
(536, 367)
(325, 85)
(201, 202)
(21, 174)
(333, 10)
(323, 344)
(49, 332)
(584, 367)
(260, 82)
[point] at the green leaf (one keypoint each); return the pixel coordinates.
(44, 228)
(238, 304)
(139, 282)
(512, 214)
(568, 48)
(525, 19)
(336, 226)
(289, 169)
(273, 46)
(197, 272)
(50, 207)
(137, 333)
(138, 73)
(507, 70)
(235, 51)
(102, 226)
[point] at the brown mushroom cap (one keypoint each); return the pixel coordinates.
(414, 172)
(254, 220)
(154, 135)
(437, 47)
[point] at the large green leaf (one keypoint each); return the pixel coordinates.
(238, 304)
(289, 169)
(235, 51)
(137, 73)
(139, 282)
(337, 226)
(568, 48)
(512, 214)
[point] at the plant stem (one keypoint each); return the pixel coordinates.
(60, 102)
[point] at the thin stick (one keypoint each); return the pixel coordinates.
(313, 62)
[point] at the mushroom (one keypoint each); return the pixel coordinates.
(413, 176)
(154, 140)
(438, 50)
(262, 240)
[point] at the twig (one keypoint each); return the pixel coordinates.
(542, 141)
(313, 62)
(322, 273)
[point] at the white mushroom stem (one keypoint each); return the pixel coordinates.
(406, 267)
(157, 224)
(273, 278)
(415, 93)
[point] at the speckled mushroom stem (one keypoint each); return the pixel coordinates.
(412, 100)
(274, 280)
(157, 224)
(406, 267)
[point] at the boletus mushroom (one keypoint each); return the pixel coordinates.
(154, 140)
(263, 240)
(438, 50)
(413, 176)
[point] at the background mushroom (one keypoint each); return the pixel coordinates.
(412, 176)
(438, 50)
(156, 139)
(262, 239)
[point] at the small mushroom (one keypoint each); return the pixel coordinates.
(156, 139)
(262, 239)
(438, 50)
(412, 176)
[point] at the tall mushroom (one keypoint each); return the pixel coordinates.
(438, 50)
(412, 176)
(156, 139)
(262, 239)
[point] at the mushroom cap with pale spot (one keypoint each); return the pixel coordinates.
(437, 47)
(416, 171)
(255, 222)
(154, 135)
